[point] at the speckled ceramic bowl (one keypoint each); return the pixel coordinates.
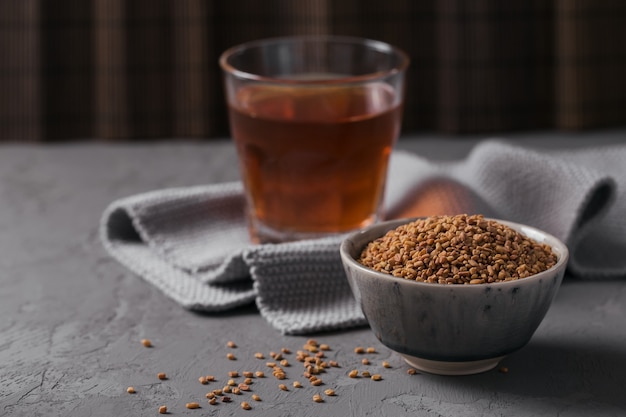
(451, 329)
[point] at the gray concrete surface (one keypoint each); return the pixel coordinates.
(71, 318)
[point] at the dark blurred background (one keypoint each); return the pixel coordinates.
(146, 69)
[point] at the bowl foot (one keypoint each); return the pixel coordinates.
(452, 368)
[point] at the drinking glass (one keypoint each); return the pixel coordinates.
(314, 120)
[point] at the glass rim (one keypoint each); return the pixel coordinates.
(370, 43)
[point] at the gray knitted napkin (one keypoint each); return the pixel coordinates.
(192, 243)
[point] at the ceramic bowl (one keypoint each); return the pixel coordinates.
(451, 329)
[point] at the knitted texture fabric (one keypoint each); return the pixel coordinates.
(192, 243)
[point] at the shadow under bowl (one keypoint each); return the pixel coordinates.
(451, 329)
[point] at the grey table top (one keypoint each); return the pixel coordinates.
(72, 318)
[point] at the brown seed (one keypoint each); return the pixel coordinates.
(317, 382)
(334, 364)
(236, 391)
(162, 376)
(318, 398)
(365, 361)
(283, 387)
(233, 374)
(226, 389)
(231, 382)
(248, 374)
(203, 380)
(226, 399)
(312, 342)
(366, 374)
(192, 405)
(210, 395)
(270, 364)
(386, 364)
(376, 377)
(370, 350)
(213, 401)
(259, 374)
(259, 355)
(247, 381)
(411, 371)
(285, 351)
(244, 387)
(324, 346)
(209, 378)
(297, 384)
(359, 350)
(230, 356)
(130, 390)
(245, 406)
(146, 342)
(353, 373)
(284, 362)
(503, 369)
(217, 391)
(163, 409)
(255, 397)
(231, 344)
(330, 392)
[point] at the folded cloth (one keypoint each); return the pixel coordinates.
(192, 243)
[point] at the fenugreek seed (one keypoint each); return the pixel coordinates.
(209, 378)
(366, 374)
(376, 377)
(259, 355)
(217, 391)
(365, 361)
(280, 375)
(359, 350)
(311, 348)
(161, 376)
(286, 351)
(248, 374)
(320, 354)
(213, 401)
(231, 382)
(386, 364)
(317, 382)
(283, 387)
(411, 371)
(226, 399)
(318, 398)
(353, 373)
(233, 374)
(270, 364)
(297, 384)
(130, 390)
(330, 392)
(203, 380)
(146, 342)
(503, 369)
(210, 395)
(230, 356)
(231, 344)
(244, 387)
(255, 397)
(248, 381)
(226, 389)
(370, 350)
(334, 364)
(312, 342)
(284, 362)
(163, 409)
(324, 346)
(259, 374)
(236, 391)
(191, 406)
(245, 406)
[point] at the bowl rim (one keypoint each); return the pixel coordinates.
(562, 254)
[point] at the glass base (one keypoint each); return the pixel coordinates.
(260, 233)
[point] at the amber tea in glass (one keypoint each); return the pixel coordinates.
(314, 120)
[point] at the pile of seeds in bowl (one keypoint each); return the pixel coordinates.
(461, 249)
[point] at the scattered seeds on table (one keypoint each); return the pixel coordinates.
(248, 374)
(209, 378)
(226, 389)
(256, 397)
(203, 380)
(259, 374)
(236, 391)
(233, 374)
(376, 377)
(386, 364)
(210, 395)
(318, 398)
(286, 351)
(284, 362)
(366, 374)
(230, 356)
(316, 382)
(162, 376)
(330, 392)
(359, 350)
(231, 382)
(370, 350)
(324, 346)
(334, 364)
(365, 361)
(130, 390)
(312, 342)
(245, 406)
(213, 401)
(231, 344)
(191, 406)
(163, 409)
(248, 381)
(259, 355)
(297, 384)
(244, 387)
(217, 391)
(146, 343)
(353, 373)
(270, 364)
(283, 387)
